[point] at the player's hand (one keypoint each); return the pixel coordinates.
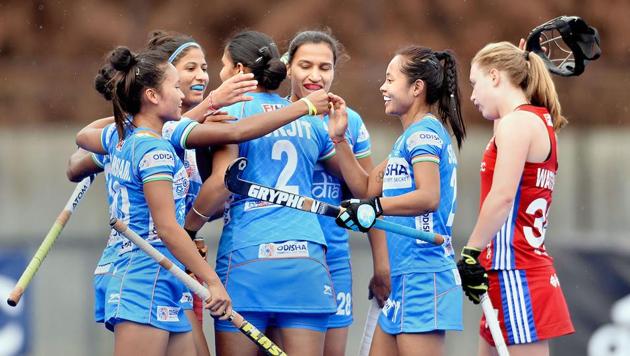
(380, 287)
(359, 214)
(201, 247)
(338, 118)
(219, 303)
(522, 43)
(474, 276)
(217, 116)
(232, 91)
(320, 100)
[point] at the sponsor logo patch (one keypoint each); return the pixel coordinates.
(397, 174)
(168, 314)
(421, 138)
(156, 159)
(287, 249)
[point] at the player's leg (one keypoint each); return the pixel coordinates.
(302, 333)
(538, 348)
(335, 341)
(182, 344)
(485, 349)
(199, 338)
(131, 339)
(383, 343)
(302, 342)
(421, 344)
(337, 334)
(234, 343)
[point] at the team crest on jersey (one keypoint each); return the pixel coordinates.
(168, 314)
(327, 289)
(364, 135)
(287, 249)
(422, 138)
(397, 174)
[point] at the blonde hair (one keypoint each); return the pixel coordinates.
(527, 71)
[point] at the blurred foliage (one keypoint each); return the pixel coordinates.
(50, 50)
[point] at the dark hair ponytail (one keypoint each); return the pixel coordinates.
(449, 103)
(123, 79)
(257, 51)
(422, 63)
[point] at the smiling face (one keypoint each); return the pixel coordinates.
(397, 92)
(312, 68)
(170, 96)
(484, 91)
(193, 76)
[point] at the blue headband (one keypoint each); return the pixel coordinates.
(181, 48)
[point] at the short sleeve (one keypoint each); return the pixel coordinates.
(157, 160)
(326, 146)
(359, 135)
(107, 136)
(424, 140)
(99, 160)
(176, 132)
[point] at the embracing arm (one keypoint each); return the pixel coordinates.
(211, 133)
(80, 165)
(229, 92)
(512, 138)
(213, 194)
(89, 137)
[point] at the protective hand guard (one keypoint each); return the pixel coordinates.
(474, 276)
(359, 214)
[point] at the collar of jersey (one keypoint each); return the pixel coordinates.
(145, 132)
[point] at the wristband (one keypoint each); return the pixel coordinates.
(312, 110)
(200, 214)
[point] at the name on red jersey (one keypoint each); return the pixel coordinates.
(545, 179)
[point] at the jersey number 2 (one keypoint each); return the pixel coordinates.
(285, 147)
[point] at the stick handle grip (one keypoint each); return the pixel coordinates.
(430, 237)
(49, 240)
(493, 324)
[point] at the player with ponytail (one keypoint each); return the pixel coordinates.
(505, 253)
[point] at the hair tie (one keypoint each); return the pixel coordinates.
(181, 48)
(526, 55)
(138, 71)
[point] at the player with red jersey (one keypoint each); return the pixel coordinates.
(513, 88)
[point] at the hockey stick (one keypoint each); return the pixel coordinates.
(237, 320)
(370, 325)
(49, 240)
(493, 324)
(236, 185)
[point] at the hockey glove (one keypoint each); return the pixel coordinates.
(359, 214)
(474, 276)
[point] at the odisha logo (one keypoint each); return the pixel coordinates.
(161, 156)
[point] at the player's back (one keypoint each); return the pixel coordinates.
(284, 159)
